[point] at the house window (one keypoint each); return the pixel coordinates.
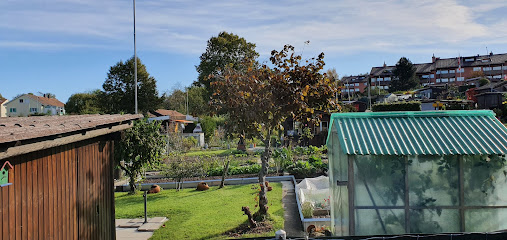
(476, 69)
(486, 69)
(425, 76)
(432, 75)
(20, 100)
(444, 71)
(504, 67)
(387, 79)
(373, 80)
(357, 84)
(452, 79)
(356, 89)
(460, 70)
(452, 71)
(497, 68)
(497, 76)
(12, 110)
(445, 79)
(460, 79)
(438, 80)
(324, 125)
(380, 79)
(33, 109)
(438, 71)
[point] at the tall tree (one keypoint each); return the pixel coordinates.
(196, 97)
(226, 49)
(258, 100)
(404, 77)
(84, 103)
(118, 94)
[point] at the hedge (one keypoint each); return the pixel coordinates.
(400, 106)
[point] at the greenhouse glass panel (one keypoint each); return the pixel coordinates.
(434, 220)
(340, 217)
(485, 220)
(433, 180)
(379, 180)
(485, 180)
(380, 222)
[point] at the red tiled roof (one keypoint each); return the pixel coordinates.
(23, 128)
(171, 113)
(47, 101)
(3, 100)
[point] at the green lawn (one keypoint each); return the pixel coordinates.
(194, 214)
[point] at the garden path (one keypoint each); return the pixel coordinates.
(292, 225)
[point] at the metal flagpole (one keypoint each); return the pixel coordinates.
(135, 58)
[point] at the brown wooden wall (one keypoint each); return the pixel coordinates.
(60, 193)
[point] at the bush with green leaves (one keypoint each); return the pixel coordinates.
(179, 168)
(302, 169)
(141, 146)
(189, 142)
(283, 158)
(248, 169)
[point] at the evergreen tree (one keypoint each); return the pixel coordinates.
(404, 77)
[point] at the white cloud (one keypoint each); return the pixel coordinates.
(336, 27)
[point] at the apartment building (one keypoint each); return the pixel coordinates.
(354, 84)
(443, 71)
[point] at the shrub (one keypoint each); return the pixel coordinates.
(401, 106)
(316, 161)
(307, 210)
(189, 142)
(248, 169)
(302, 169)
(283, 158)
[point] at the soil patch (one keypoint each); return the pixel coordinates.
(163, 180)
(263, 227)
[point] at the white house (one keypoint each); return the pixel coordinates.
(3, 112)
(29, 104)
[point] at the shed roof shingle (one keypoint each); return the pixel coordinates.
(24, 128)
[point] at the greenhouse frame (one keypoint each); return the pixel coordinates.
(417, 172)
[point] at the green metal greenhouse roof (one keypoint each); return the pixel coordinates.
(420, 133)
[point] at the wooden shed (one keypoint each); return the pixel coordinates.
(61, 184)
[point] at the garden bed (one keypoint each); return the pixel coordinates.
(165, 180)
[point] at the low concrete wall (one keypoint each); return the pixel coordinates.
(215, 182)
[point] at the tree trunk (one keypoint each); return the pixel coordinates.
(132, 183)
(224, 174)
(263, 200)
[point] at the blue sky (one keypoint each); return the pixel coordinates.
(67, 46)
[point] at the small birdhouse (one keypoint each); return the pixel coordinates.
(4, 174)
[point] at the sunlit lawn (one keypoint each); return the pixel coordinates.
(194, 214)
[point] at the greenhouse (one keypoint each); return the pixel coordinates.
(417, 172)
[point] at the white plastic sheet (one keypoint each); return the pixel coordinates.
(314, 190)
